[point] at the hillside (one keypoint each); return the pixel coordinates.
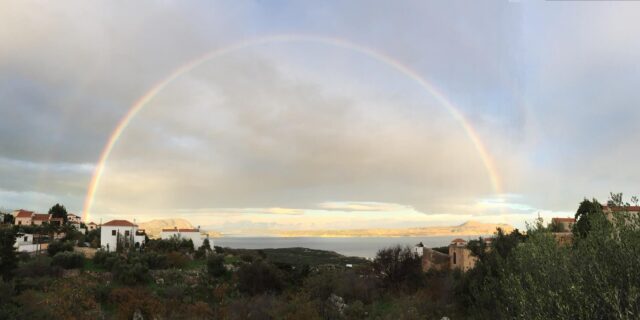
(468, 228)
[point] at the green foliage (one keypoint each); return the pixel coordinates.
(259, 277)
(131, 272)
(170, 245)
(399, 267)
(215, 265)
(39, 266)
(68, 260)
(538, 278)
(585, 211)
(58, 211)
(176, 260)
(59, 246)
(8, 219)
(8, 257)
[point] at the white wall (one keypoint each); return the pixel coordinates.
(109, 240)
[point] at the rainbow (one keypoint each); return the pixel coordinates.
(336, 42)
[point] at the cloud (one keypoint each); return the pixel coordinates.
(363, 206)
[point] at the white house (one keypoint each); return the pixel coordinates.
(189, 234)
(121, 231)
(418, 249)
(73, 219)
(24, 243)
(92, 226)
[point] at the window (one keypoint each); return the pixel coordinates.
(126, 233)
(454, 258)
(113, 232)
(19, 222)
(26, 238)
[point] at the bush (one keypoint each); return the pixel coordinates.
(38, 267)
(68, 260)
(259, 277)
(154, 260)
(59, 246)
(131, 274)
(215, 265)
(176, 260)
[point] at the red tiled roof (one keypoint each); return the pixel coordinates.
(92, 223)
(563, 219)
(457, 240)
(119, 223)
(24, 214)
(41, 217)
(180, 230)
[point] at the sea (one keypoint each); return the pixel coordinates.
(365, 247)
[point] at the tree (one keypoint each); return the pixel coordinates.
(586, 210)
(399, 267)
(9, 219)
(58, 211)
(8, 258)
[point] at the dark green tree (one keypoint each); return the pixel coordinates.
(58, 211)
(8, 219)
(586, 210)
(8, 258)
(399, 267)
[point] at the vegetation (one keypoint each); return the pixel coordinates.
(58, 211)
(520, 275)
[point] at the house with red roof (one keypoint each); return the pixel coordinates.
(563, 224)
(22, 217)
(121, 233)
(37, 219)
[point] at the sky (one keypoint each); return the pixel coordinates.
(319, 115)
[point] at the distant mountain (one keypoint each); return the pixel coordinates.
(469, 228)
(154, 227)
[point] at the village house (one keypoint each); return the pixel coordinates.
(39, 218)
(22, 217)
(92, 226)
(434, 260)
(188, 234)
(563, 224)
(460, 257)
(73, 219)
(25, 243)
(123, 232)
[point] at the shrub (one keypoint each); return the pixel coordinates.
(154, 260)
(176, 260)
(38, 267)
(59, 246)
(215, 265)
(68, 260)
(259, 277)
(131, 274)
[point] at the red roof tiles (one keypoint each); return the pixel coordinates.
(119, 223)
(24, 214)
(41, 217)
(618, 209)
(563, 220)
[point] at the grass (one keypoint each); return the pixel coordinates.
(196, 264)
(89, 265)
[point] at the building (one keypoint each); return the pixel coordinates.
(188, 234)
(92, 226)
(22, 217)
(121, 232)
(418, 249)
(460, 256)
(434, 260)
(73, 219)
(39, 218)
(563, 224)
